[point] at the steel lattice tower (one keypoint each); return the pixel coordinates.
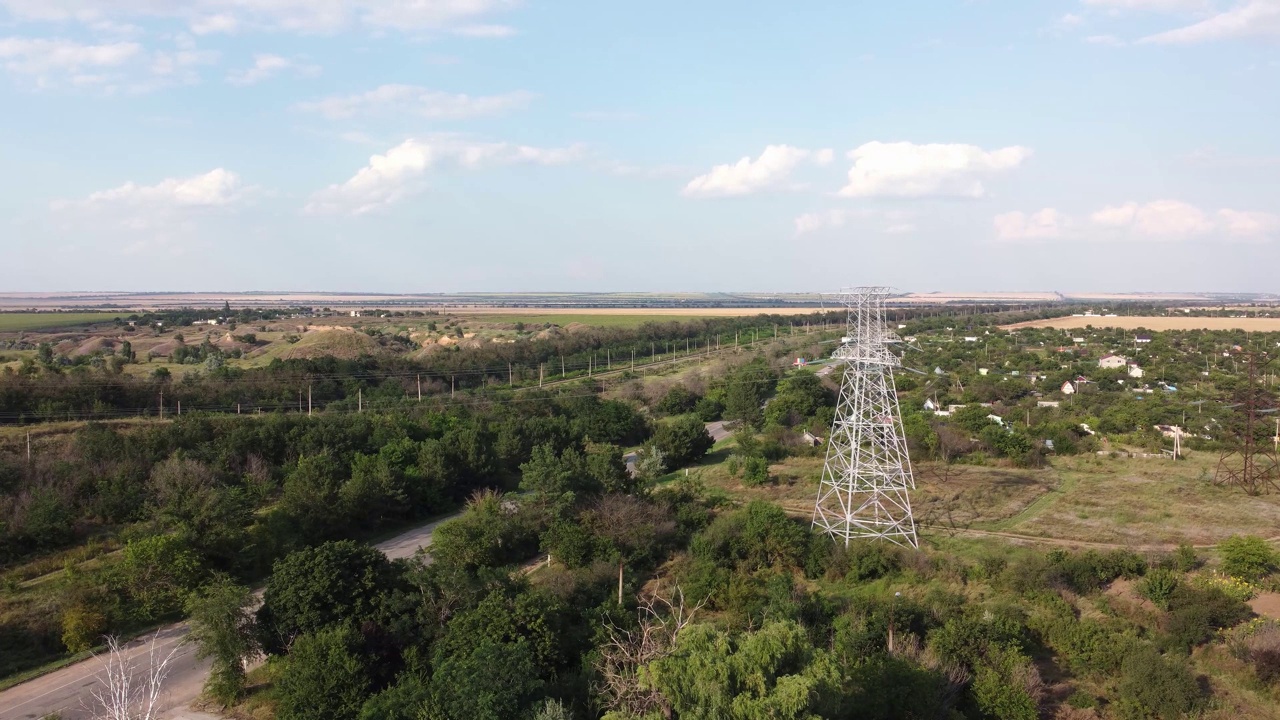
(867, 475)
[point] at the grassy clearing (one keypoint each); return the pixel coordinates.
(17, 322)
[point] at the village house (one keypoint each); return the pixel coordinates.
(1112, 361)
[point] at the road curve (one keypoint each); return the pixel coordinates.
(67, 691)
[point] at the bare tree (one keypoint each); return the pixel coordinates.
(131, 685)
(625, 651)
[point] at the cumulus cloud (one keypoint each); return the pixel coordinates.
(390, 177)
(772, 169)
(904, 169)
(1250, 19)
(891, 222)
(1151, 5)
(305, 16)
(47, 61)
(1042, 224)
(216, 188)
(55, 62)
(419, 101)
(1158, 220)
(266, 66)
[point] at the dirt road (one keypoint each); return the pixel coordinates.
(67, 691)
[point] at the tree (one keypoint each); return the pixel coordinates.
(677, 401)
(550, 475)
(682, 440)
(325, 677)
(130, 685)
(1247, 557)
(157, 573)
(189, 499)
(774, 672)
(487, 681)
(321, 586)
(223, 630)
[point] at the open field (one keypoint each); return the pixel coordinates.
(17, 322)
(1156, 323)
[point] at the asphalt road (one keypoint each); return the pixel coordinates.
(67, 691)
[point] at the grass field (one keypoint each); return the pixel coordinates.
(1156, 323)
(15, 322)
(563, 319)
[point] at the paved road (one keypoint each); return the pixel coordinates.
(717, 430)
(67, 691)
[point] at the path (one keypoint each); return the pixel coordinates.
(66, 691)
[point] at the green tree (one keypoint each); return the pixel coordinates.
(157, 573)
(324, 585)
(682, 440)
(223, 630)
(324, 678)
(1155, 686)
(1247, 557)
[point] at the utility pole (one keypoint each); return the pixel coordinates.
(608, 358)
(561, 366)
(419, 388)
(179, 408)
(539, 374)
(28, 447)
(450, 387)
(161, 403)
(360, 400)
(633, 358)
(510, 377)
(308, 399)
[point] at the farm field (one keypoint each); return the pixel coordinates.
(18, 322)
(1155, 323)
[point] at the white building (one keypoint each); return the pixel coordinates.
(1135, 371)
(1112, 362)
(1068, 388)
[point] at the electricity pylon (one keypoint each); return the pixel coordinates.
(867, 475)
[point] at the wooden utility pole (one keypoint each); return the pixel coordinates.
(308, 399)
(561, 366)
(510, 376)
(360, 400)
(419, 388)
(179, 408)
(633, 358)
(450, 387)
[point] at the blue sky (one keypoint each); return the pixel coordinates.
(454, 145)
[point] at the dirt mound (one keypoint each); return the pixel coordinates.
(576, 327)
(428, 350)
(446, 341)
(66, 347)
(344, 345)
(165, 348)
(95, 345)
(471, 344)
(548, 334)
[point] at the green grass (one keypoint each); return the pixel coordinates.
(17, 322)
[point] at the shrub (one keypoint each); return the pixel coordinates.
(1158, 587)
(1153, 686)
(82, 628)
(325, 677)
(1258, 643)
(682, 440)
(1248, 557)
(755, 471)
(1185, 558)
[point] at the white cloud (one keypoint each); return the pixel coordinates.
(1111, 40)
(812, 222)
(1249, 19)
(1158, 220)
(390, 177)
(1149, 5)
(109, 67)
(1040, 225)
(896, 222)
(218, 187)
(1249, 225)
(48, 60)
(266, 66)
(1070, 20)
(307, 16)
(419, 101)
(485, 31)
(771, 169)
(904, 169)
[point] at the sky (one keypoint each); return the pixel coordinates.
(524, 145)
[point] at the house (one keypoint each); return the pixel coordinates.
(1048, 403)
(355, 313)
(1142, 339)
(1135, 371)
(1068, 388)
(971, 338)
(1172, 431)
(811, 439)
(1078, 340)
(929, 404)
(983, 371)
(996, 419)
(1112, 361)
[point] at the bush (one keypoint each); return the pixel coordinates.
(682, 440)
(325, 677)
(1158, 587)
(678, 401)
(1196, 614)
(1248, 557)
(82, 628)
(755, 471)
(1152, 686)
